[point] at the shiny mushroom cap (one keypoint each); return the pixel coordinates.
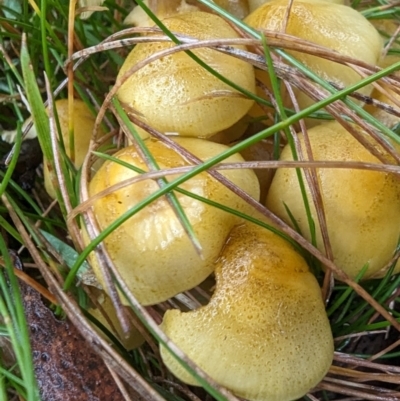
(176, 94)
(264, 334)
(334, 26)
(362, 207)
(151, 250)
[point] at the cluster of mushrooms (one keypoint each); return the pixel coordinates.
(267, 308)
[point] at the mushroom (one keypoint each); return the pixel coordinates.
(334, 26)
(151, 250)
(393, 100)
(264, 334)
(83, 128)
(238, 8)
(388, 28)
(233, 133)
(161, 8)
(362, 207)
(109, 319)
(168, 8)
(176, 94)
(261, 151)
(254, 4)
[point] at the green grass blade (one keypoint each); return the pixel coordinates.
(12, 312)
(178, 209)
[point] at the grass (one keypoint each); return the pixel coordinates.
(36, 40)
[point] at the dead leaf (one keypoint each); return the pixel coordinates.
(66, 367)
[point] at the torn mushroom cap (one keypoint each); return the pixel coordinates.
(264, 334)
(176, 94)
(362, 207)
(393, 100)
(151, 250)
(83, 129)
(334, 26)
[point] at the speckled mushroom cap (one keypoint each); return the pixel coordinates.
(151, 250)
(264, 334)
(362, 207)
(176, 94)
(334, 26)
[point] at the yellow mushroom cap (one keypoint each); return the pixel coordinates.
(176, 94)
(264, 334)
(169, 8)
(151, 250)
(254, 4)
(161, 8)
(387, 28)
(238, 8)
(362, 207)
(390, 120)
(83, 128)
(334, 26)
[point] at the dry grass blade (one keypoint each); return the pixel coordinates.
(338, 110)
(364, 392)
(270, 164)
(363, 376)
(114, 360)
(43, 291)
(348, 378)
(367, 311)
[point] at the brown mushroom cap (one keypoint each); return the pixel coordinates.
(362, 207)
(151, 250)
(176, 94)
(331, 25)
(264, 334)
